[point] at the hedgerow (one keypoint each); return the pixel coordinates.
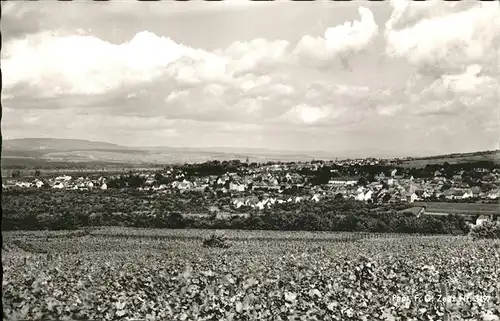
(486, 230)
(54, 210)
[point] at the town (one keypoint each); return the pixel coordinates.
(261, 186)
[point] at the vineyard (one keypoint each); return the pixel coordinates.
(141, 274)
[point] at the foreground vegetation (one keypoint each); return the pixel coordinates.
(119, 274)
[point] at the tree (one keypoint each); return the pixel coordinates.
(445, 187)
(158, 177)
(386, 198)
(339, 196)
(362, 181)
(37, 173)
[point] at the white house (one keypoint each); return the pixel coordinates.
(237, 187)
(63, 178)
(58, 185)
(23, 184)
(238, 203)
(411, 197)
(261, 204)
(494, 194)
(467, 194)
(343, 181)
(104, 186)
(481, 219)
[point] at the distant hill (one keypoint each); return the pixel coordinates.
(43, 150)
(52, 150)
(492, 156)
(40, 144)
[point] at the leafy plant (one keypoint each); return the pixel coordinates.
(486, 230)
(216, 240)
(159, 274)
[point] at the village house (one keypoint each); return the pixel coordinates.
(234, 186)
(481, 219)
(183, 185)
(24, 184)
(411, 197)
(494, 194)
(58, 185)
(346, 181)
(315, 198)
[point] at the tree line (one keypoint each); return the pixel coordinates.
(34, 210)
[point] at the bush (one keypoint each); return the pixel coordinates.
(486, 230)
(215, 240)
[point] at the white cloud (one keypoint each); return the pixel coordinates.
(250, 83)
(282, 89)
(307, 114)
(248, 56)
(389, 110)
(343, 39)
(55, 63)
(250, 106)
(442, 60)
(176, 95)
(214, 89)
(455, 38)
(352, 36)
(469, 82)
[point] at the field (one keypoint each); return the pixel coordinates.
(460, 208)
(493, 156)
(120, 274)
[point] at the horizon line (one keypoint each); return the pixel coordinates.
(250, 148)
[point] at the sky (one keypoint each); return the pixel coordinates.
(411, 78)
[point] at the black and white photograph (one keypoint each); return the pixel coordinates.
(250, 160)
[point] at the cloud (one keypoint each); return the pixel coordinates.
(441, 66)
(249, 56)
(389, 110)
(469, 82)
(214, 89)
(56, 64)
(453, 39)
(309, 115)
(176, 95)
(455, 50)
(342, 40)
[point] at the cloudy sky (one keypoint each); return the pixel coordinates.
(409, 78)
